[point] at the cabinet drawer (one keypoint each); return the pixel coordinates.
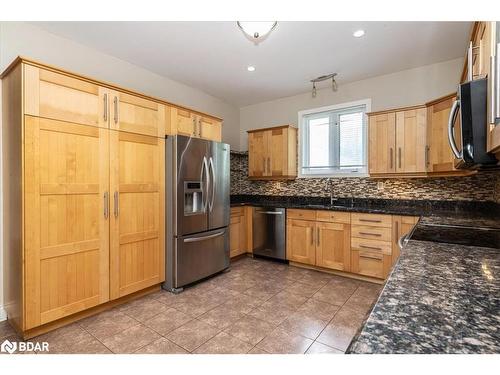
(301, 214)
(373, 220)
(333, 216)
(382, 247)
(370, 263)
(371, 233)
(236, 211)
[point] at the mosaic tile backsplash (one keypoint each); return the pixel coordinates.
(484, 186)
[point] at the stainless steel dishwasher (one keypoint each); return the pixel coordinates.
(269, 232)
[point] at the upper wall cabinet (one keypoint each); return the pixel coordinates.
(191, 124)
(61, 97)
(135, 114)
(272, 153)
(397, 142)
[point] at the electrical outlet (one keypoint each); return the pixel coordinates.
(380, 185)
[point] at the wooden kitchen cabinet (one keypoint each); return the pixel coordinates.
(237, 232)
(137, 217)
(300, 242)
(272, 153)
(191, 124)
(381, 141)
(134, 114)
(319, 238)
(402, 225)
(333, 246)
(411, 141)
(397, 142)
(83, 195)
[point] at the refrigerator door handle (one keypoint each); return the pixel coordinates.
(204, 187)
(451, 137)
(212, 182)
(204, 238)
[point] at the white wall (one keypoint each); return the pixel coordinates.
(17, 38)
(405, 88)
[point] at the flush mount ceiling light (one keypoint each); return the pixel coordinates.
(251, 68)
(257, 30)
(358, 33)
(324, 78)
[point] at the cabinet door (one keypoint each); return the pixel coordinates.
(411, 141)
(333, 247)
(209, 128)
(401, 225)
(381, 138)
(278, 150)
(237, 236)
(60, 97)
(440, 157)
(66, 223)
(137, 191)
(183, 122)
(134, 114)
(300, 245)
(257, 154)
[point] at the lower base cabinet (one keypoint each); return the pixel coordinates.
(237, 232)
(318, 243)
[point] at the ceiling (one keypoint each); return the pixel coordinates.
(213, 56)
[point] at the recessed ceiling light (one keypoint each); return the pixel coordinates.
(251, 68)
(358, 33)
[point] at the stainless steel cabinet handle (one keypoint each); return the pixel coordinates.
(265, 165)
(399, 156)
(105, 107)
(270, 212)
(312, 236)
(390, 156)
(451, 137)
(199, 128)
(204, 238)
(106, 205)
(116, 204)
(317, 235)
(396, 229)
(370, 247)
(269, 165)
(370, 256)
(115, 104)
(427, 149)
(194, 127)
(371, 220)
(497, 83)
(371, 234)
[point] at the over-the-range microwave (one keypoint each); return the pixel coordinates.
(470, 109)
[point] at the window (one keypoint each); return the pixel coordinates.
(333, 140)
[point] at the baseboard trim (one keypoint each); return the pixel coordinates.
(3, 314)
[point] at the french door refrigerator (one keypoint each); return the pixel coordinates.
(197, 207)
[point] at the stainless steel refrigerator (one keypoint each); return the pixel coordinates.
(197, 207)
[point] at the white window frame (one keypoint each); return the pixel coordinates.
(364, 102)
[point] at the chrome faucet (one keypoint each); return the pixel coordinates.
(329, 187)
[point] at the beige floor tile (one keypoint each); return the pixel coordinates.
(262, 292)
(6, 330)
(281, 342)
(318, 309)
(336, 293)
(315, 278)
(167, 321)
(239, 284)
(63, 339)
(243, 303)
(224, 343)
(143, 309)
(250, 329)
(342, 328)
(107, 324)
(131, 339)
(196, 306)
(363, 299)
(192, 335)
(306, 290)
(272, 314)
(304, 325)
(222, 316)
(256, 350)
(162, 346)
(287, 300)
(319, 348)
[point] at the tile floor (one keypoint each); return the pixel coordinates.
(258, 307)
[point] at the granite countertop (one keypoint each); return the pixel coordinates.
(443, 294)
(440, 298)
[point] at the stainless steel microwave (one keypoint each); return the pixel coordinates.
(470, 110)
